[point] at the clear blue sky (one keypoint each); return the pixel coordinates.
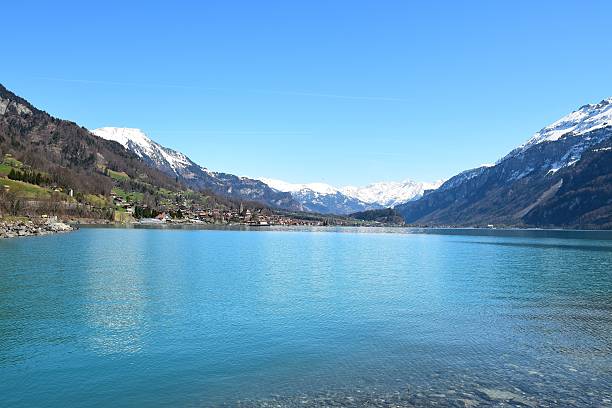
(345, 92)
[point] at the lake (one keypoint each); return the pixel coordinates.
(129, 317)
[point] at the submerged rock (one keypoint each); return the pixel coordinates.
(502, 395)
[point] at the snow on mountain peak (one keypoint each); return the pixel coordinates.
(390, 193)
(385, 193)
(124, 136)
(586, 119)
(284, 186)
(138, 142)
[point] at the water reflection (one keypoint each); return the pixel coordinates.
(115, 294)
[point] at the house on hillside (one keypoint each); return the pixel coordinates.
(163, 217)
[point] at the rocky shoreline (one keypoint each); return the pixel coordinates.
(420, 397)
(27, 228)
(399, 399)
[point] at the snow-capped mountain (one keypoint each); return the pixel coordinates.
(560, 176)
(579, 125)
(390, 193)
(314, 197)
(324, 198)
(320, 197)
(586, 119)
(464, 176)
(177, 164)
(135, 140)
(319, 188)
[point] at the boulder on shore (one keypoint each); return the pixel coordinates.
(25, 228)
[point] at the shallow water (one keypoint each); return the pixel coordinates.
(189, 317)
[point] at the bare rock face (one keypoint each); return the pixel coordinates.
(20, 108)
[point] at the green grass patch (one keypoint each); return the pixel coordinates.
(133, 197)
(13, 218)
(8, 163)
(95, 200)
(118, 175)
(119, 192)
(166, 192)
(5, 169)
(12, 162)
(25, 190)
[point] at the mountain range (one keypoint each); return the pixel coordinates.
(313, 197)
(177, 165)
(54, 166)
(324, 198)
(560, 177)
(68, 153)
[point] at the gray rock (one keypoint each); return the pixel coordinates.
(502, 395)
(11, 229)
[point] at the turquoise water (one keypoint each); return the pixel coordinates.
(150, 317)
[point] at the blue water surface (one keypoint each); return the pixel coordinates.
(129, 317)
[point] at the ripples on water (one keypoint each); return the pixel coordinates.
(149, 317)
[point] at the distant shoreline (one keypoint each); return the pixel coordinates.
(469, 231)
(23, 227)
